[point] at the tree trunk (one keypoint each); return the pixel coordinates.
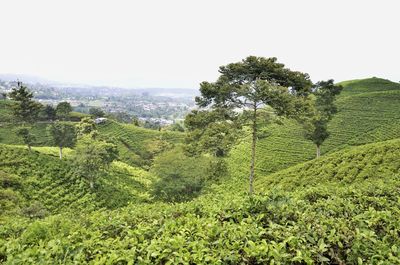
(60, 153)
(318, 151)
(253, 150)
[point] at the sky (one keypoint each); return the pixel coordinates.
(179, 43)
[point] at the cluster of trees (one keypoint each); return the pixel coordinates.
(254, 91)
(26, 110)
(92, 154)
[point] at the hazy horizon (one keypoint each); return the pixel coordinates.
(178, 44)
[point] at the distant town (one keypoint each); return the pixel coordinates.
(153, 106)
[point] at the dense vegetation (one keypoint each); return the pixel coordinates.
(351, 218)
(342, 208)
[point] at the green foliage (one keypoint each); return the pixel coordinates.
(340, 209)
(27, 137)
(368, 85)
(362, 118)
(176, 127)
(62, 134)
(253, 84)
(9, 180)
(93, 157)
(181, 177)
(123, 117)
(24, 108)
(214, 132)
(134, 143)
(316, 124)
(63, 110)
(86, 127)
(6, 113)
(327, 222)
(41, 179)
(48, 113)
(96, 112)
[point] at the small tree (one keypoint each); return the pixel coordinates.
(92, 157)
(251, 85)
(213, 132)
(49, 113)
(87, 127)
(62, 134)
(26, 136)
(63, 109)
(324, 108)
(181, 177)
(24, 108)
(96, 112)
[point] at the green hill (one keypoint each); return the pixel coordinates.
(366, 85)
(44, 184)
(340, 209)
(371, 115)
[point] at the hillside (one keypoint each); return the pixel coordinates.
(136, 145)
(370, 115)
(39, 183)
(366, 85)
(341, 209)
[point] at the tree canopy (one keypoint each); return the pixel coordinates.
(92, 157)
(62, 135)
(27, 137)
(24, 108)
(253, 84)
(63, 109)
(323, 110)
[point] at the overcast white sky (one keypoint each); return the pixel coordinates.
(179, 43)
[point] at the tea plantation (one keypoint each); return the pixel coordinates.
(343, 208)
(369, 111)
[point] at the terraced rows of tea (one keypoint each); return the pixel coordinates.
(340, 209)
(133, 141)
(363, 117)
(49, 182)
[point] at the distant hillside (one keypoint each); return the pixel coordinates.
(373, 84)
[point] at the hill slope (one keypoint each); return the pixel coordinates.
(373, 84)
(136, 144)
(370, 115)
(341, 209)
(41, 181)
